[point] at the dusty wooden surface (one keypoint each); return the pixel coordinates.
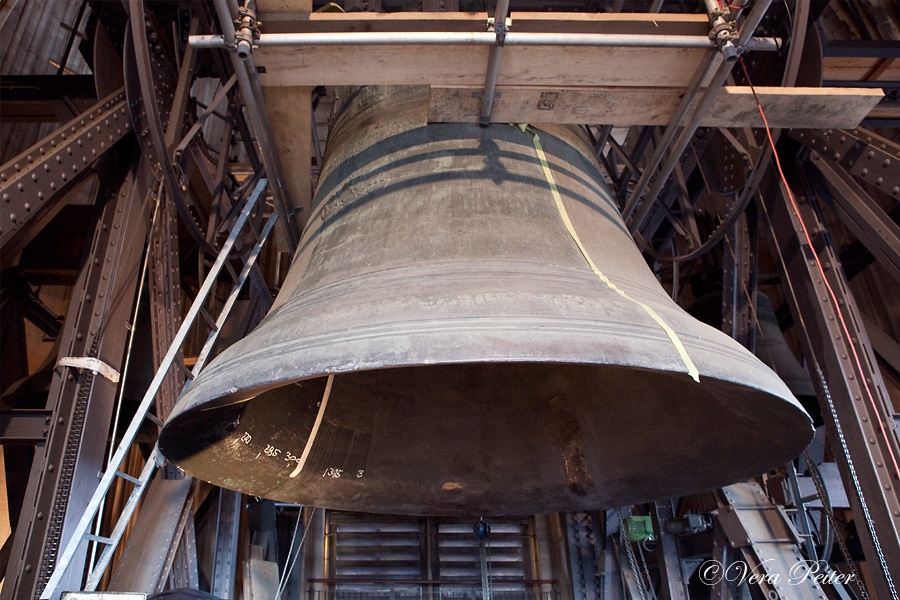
(734, 107)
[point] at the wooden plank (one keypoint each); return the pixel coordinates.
(290, 113)
(290, 110)
(466, 65)
(643, 23)
(848, 68)
(734, 107)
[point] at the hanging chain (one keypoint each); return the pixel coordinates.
(485, 574)
(645, 571)
(638, 575)
(832, 522)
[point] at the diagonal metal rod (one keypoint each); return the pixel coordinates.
(709, 96)
(710, 62)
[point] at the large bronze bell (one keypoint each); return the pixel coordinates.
(442, 346)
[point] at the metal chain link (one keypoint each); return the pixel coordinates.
(832, 522)
(856, 485)
(638, 575)
(485, 573)
(645, 569)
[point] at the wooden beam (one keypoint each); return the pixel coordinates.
(734, 107)
(547, 66)
(853, 68)
(290, 112)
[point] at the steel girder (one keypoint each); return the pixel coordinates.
(854, 401)
(66, 467)
(32, 184)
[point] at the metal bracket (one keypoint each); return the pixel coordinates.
(246, 32)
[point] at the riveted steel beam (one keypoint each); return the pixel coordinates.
(34, 181)
(66, 466)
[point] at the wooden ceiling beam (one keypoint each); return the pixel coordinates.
(626, 106)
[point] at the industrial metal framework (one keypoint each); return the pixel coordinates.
(752, 149)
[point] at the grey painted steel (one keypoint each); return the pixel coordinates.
(228, 520)
(249, 263)
(143, 561)
(703, 105)
(33, 182)
(861, 449)
(724, 588)
(84, 523)
(164, 296)
(467, 331)
(477, 38)
(711, 61)
(739, 268)
(185, 569)
(24, 426)
(863, 216)
(585, 537)
(93, 578)
(800, 515)
(142, 81)
(64, 470)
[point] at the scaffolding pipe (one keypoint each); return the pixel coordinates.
(712, 6)
(252, 94)
(490, 81)
(706, 101)
(710, 62)
(477, 38)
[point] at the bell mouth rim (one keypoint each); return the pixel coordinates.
(760, 437)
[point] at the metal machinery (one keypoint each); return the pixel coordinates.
(158, 176)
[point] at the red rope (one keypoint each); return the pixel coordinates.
(822, 273)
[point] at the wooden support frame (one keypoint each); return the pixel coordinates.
(616, 85)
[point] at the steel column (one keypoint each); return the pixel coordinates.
(854, 401)
(65, 470)
(739, 280)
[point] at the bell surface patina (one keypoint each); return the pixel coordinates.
(480, 366)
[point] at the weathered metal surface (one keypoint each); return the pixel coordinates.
(861, 152)
(143, 562)
(481, 366)
(853, 399)
(66, 467)
(32, 182)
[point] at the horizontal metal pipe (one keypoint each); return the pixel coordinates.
(479, 38)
